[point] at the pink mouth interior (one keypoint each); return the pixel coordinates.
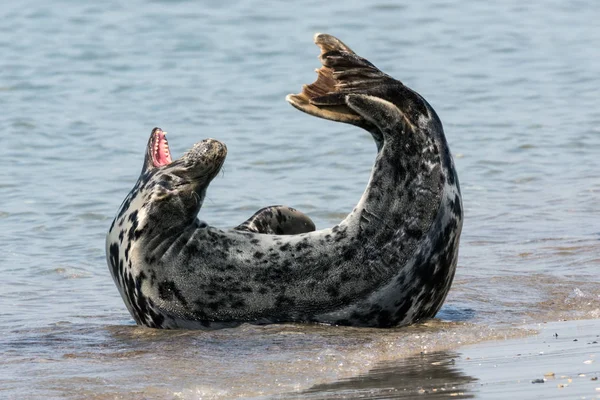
(160, 149)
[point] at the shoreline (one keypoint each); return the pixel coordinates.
(561, 361)
(438, 359)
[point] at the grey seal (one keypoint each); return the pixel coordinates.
(390, 262)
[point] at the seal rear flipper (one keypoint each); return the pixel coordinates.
(278, 220)
(343, 72)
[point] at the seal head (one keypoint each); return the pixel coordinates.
(179, 187)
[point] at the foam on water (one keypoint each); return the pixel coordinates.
(246, 361)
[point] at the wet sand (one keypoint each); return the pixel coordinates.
(561, 361)
(437, 359)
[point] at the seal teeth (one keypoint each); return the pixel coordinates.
(161, 154)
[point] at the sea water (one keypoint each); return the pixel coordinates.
(82, 84)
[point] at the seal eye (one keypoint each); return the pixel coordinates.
(161, 155)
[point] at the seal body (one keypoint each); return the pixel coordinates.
(390, 262)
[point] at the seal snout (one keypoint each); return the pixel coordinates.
(208, 155)
(210, 150)
(214, 146)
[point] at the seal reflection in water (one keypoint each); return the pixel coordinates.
(390, 262)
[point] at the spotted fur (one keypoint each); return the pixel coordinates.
(390, 262)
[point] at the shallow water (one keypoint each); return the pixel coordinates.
(81, 86)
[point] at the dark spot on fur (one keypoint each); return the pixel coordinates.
(456, 208)
(124, 206)
(401, 279)
(133, 216)
(414, 232)
(167, 290)
(303, 244)
(345, 276)
(113, 252)
(349, 254)
(138, 232)
(127, 250)
(132, 229)
(247, 289)
(340, 235)
(285, 247)
(238, 303)
(333, 290)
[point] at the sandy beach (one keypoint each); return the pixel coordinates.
(558, 362)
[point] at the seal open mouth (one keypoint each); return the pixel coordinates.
(204, 159)
(160, 148)
(325, 98)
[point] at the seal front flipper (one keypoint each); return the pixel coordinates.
(278, 220)
(381, 113)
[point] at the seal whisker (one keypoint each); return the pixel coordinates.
(197, 198)
(209, 199)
